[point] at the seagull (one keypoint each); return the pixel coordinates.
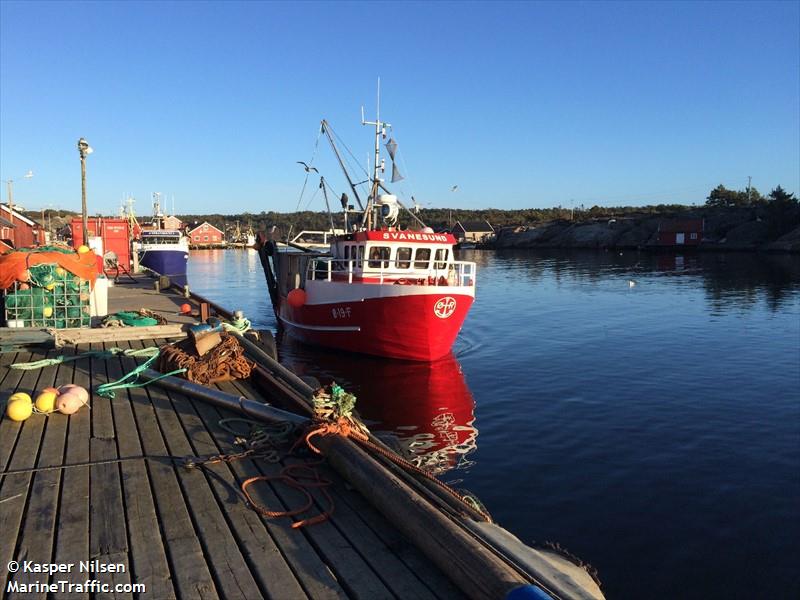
(306, 167)
(454, 188)
(631, 283)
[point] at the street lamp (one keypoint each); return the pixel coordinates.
(85, 150)
(10, 189)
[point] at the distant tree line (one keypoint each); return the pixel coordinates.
(721, 196)
(779, 208)
(439, 219)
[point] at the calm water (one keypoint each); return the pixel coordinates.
(653, 429)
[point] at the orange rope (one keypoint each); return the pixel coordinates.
(306, 477)
(303, 477)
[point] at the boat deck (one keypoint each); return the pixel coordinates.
(180, 532)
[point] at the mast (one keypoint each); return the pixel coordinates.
(380, 129)
(341, 163)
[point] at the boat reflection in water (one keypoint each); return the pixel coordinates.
(427, 406)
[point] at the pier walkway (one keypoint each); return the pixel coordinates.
(178, 532)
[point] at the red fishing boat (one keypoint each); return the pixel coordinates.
(380, 287)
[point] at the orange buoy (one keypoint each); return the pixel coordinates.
(185, 309)
(296, 298)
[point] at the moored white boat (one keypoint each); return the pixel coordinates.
(163, 251)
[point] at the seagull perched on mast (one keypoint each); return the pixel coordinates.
(306, 167)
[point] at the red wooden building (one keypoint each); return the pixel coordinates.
(680, 232)
(24, 231)
(205, 235)
(6, 227)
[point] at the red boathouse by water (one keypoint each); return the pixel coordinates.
(680, 232)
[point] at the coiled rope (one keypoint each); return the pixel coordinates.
(333, 416)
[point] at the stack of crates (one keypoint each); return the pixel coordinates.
(52, 297)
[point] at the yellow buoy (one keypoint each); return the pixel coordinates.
(20, 396)
(83, 249)
(47, 311)
(46, 402)
(19, 410)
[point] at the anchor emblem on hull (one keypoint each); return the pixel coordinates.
(444, 307)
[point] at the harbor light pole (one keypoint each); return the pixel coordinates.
(84, 149)
(10, 190)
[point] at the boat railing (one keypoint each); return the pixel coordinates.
(315, 238)
(454, 273)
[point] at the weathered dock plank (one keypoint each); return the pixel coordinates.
(9, 430)
(229, 568)
(108, 535)
(14, 489)
(149, 564)
(311, 573)
(274, 576)
(188, 568)
(37, 533)
(72, 535)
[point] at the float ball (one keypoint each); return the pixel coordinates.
(46, 402)
(296, 298)
(69, 402)
(186, 309)
(19, 410)
(20, 396)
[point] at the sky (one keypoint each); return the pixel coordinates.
(518, 104)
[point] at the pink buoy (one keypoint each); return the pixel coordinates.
(296, 298)
(69, 402)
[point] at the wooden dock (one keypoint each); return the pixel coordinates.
(107, 494)
(179, 532)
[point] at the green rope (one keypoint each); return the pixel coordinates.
(238, 325)
(340, 402)
(99, 354)
(107, 390)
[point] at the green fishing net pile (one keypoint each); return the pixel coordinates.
(54, 298)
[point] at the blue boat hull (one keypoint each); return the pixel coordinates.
(171, 263)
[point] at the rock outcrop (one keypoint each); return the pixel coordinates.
(734, 229)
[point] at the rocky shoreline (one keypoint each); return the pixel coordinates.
(739, 230)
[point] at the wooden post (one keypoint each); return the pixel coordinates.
(205, 312)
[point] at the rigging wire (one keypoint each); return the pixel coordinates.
(358, 165)
(308, 171)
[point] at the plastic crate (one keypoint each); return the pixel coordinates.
(52, 297)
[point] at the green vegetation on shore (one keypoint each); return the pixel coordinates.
(779, 208)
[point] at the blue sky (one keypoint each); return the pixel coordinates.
(519, 104)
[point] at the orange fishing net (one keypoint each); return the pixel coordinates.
(14, 265)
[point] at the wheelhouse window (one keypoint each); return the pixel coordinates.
(347, 252)
(403, 258)
(379, 257)
(360, 261)
(441, 258)
(422, 258)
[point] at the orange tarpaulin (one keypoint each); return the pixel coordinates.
(14, 264)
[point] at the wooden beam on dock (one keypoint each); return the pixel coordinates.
(63, 337)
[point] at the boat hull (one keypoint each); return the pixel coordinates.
(171, 263)
(413, 326)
